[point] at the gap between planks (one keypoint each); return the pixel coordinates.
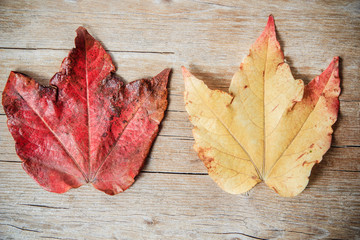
(192, 173)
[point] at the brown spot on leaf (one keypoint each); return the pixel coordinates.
(203, 156)
(227, 105)
(274, 108)
(309, 163)
(300, 156)
(275, 190)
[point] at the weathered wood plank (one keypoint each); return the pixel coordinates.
(310, 38)
(169, 18)
(176, 125)
(163, 206)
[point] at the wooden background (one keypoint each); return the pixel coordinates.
(173, 197)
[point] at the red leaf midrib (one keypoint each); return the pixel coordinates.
(88, 112)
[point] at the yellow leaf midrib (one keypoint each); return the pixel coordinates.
(264, 113)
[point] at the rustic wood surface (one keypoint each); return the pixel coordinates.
(173, 197)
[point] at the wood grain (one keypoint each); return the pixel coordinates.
(173, 197)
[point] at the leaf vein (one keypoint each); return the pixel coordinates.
(206, 104)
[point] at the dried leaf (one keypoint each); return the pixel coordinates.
(87, 126)
(269, 127)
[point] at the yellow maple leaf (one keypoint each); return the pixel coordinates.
(269, 127)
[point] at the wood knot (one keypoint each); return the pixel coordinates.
(150, 221)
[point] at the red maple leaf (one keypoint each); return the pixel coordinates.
(87, 126)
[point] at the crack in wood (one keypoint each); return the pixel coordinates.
(179, 111)
(345, 146)
(278, 230)
(177, 137)
(217, 5)
(21, 228)
(49, 237)
(41, 206)
(239, 233)
(341, 170)
(175, 173)
(311, 234)
(9, 161)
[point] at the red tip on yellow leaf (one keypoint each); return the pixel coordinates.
(185, 72)
(270, 26)
(327, 84)
(269, 30)
(327, 80)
